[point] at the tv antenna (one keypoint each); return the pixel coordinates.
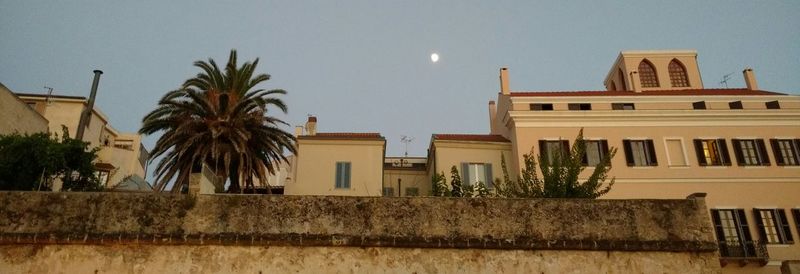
(49, 93)
(405, 140)
(725, 79)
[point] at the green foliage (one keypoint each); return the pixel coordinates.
(30, 162)
(455, 183)
(439, 186)
(559, 177)
(220, 118)
(480, 190)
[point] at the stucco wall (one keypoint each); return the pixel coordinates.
(120, 232)
(316, 167)
(16, 116)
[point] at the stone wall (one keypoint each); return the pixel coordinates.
(130, 233)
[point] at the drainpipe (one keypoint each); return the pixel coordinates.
(87, 112)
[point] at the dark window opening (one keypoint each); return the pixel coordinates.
(541, 106)
(580, 106)
(773, 105)
(699, 105)
(622, 106)
(735, 105)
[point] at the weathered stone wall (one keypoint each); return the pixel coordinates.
(122, 232)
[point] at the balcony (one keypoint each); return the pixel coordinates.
(751, 251)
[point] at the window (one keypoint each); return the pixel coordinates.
(541, 106)
(342, 174)
(786, 151)
(640, 152)
(735, 105)
(750, 152)
(647, 74)
(773, 105)
(699, 105)
(580, 106)
(595, 151)
(677, 74)
(102, 176)
(551, 149)
(773, 227)
(388, 192)
(412, 191)
(472, 173)
(622, 106)
(733, 233)
(712, 152)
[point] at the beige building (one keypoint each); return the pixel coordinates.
(122, 158)
(674, 137)
(17, 117)
(342, 164)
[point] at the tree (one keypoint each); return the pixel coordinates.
(439, 185)
(219, 118)
(31, 162)
(560, 175)
(455, 183)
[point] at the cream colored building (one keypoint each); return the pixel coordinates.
(674, 138)
(341, 164)
(17, 117)
(122, 157)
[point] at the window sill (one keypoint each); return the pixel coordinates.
(680, 167)
(790, 167)
(780, 245)
(755, 167)
(715, 167)
(643, 167)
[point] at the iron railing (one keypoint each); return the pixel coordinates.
(746, 251)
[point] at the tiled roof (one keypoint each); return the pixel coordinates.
(471, 137)
(685, 92)
(344, 135)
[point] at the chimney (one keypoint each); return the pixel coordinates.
(750, 79)
(86, 115)
(298, 131)
(504, 81)
(311, 125)
(492, 116)
(635, 84)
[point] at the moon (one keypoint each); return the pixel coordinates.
(434, 57)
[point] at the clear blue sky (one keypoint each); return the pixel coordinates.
(364, 65)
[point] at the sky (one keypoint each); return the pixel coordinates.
(364, 66)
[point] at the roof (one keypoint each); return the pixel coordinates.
(344, 136)
(51, 96)
(685, 92)
(471, 137)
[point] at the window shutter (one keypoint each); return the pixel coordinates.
(616, 106)
(718, 225)
(626, 145)
(565, 148)
(796, 148)
(723, 149)
(346, 175)
(338, 175)
(698, 149)
(542, 148)
(784, 224)
(743, 226)
(652, 150)
(585, 157)
(762, 152)
(762, 232)
(737, 151)
(489, 178)
(573, 107)
(776, 150)
(796, 214)
(464, 173)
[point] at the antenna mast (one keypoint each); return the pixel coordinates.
(725, 79)
(405, 140)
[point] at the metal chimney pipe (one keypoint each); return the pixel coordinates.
(87, 112)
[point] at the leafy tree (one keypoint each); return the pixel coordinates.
(439, 185)
(221, 119)
(480, 190)
(455, 183)
(31, 162)
(559, 175)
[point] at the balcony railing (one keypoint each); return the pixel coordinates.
(751, 251)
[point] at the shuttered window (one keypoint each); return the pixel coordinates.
(472, 173)
(773, 227)
(733, 233)
(712, 152)
(595, 151)
(552, 149)
(640, 152)
(750, 152)
(342, 174)
(786, 151)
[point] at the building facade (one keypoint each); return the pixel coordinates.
(17, 117)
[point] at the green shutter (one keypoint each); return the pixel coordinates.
(346, 183)
(465, 173)
(338, 175)
(489, 178)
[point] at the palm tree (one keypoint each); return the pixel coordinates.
(220, 119)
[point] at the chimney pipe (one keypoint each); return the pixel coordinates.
(298, 130)
(504, 81)
(492, 116)
(87, 111)
(311, 125)
(750, 79)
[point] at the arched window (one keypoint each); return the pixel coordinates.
(621, 77)
(677, 74)
(647, 75)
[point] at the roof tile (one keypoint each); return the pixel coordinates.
(685, 92)
(471, 137)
